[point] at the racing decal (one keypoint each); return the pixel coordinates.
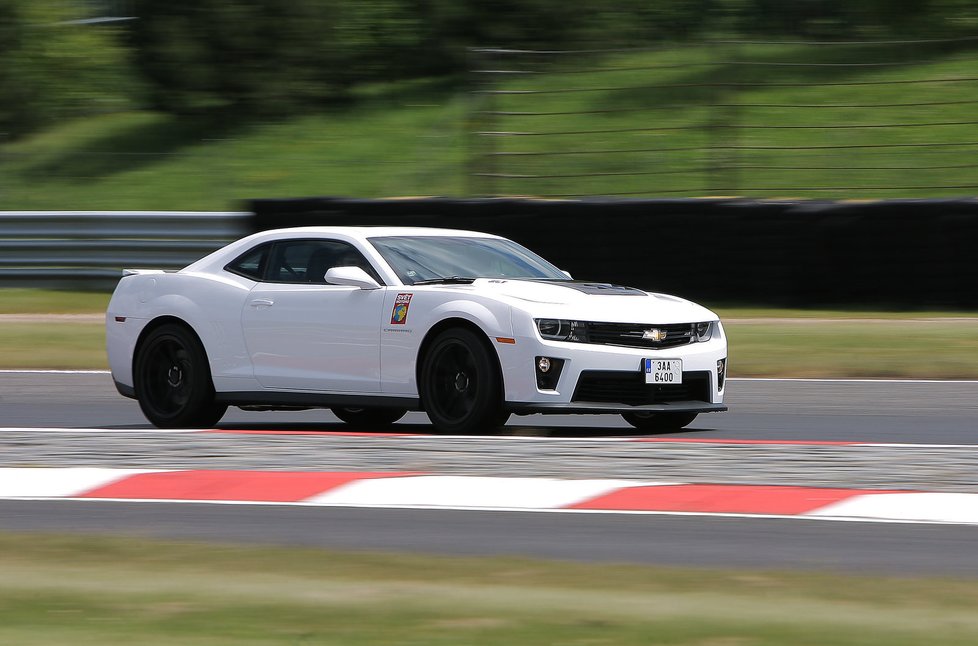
(401, 305)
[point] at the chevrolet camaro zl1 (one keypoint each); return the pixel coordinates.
(372, 322)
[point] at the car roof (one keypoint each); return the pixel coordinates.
(360, 234)
(364, 232)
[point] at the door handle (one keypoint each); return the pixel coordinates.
(262, 302)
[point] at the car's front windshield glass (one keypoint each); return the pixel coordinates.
(429, 258)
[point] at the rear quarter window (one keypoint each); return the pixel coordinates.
(251, 264)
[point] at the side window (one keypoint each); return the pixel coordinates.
(290, 261)
(307, 261)
(252, 263)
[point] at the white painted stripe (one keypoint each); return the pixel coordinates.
(473, 492)
(693, 440)
(643, 512)
(59, 483)
(905, 445)
(928, 507)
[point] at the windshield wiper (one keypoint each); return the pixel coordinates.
(448, 280)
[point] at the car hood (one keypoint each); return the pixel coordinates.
(591, 301)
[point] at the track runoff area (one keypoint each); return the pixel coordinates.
(361, 485)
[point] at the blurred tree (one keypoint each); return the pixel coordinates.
(452, 25)
(52, 67)
(647, 23)
(841, 18)
(287, 56)
(255, 56)
(388, 39)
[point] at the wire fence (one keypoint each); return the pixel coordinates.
(830, 119)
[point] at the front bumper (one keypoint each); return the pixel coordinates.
(598, 378)
(589, 408)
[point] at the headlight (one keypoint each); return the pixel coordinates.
(562, 330)
(703, 331)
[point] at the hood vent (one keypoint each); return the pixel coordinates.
(599, 289)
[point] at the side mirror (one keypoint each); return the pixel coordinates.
(353, 276)
(567, 273)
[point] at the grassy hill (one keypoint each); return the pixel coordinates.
(146, 160)
(755, 120)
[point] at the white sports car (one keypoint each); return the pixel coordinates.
(374, 321)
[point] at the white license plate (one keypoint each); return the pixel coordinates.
(663, 371)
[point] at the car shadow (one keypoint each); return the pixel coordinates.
(510, 430)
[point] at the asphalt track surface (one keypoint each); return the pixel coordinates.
(922, 414)
(794, 410)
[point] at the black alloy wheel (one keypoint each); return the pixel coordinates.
(173, 380)
(659, 422)
(460, 386)
(369, 418)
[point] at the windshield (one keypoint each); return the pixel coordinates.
(428, 258)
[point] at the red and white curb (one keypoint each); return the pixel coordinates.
(422, 491)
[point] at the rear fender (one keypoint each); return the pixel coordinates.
(212, 309)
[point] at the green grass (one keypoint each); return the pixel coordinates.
(857, 349)
(69, 345)
(50, 301)
(676, 104)
(773, 314)
(151, 161)
(763, 342)
(410, 138)
(58, 590)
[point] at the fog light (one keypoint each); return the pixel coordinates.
(548, 372)
(721, 372)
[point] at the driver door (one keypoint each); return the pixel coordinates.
(303, 334)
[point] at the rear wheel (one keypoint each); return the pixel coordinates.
(659, 422)
(366, 418)
(173, 380)
(460, 386)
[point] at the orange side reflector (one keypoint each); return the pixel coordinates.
(120, 319)
(505, 339)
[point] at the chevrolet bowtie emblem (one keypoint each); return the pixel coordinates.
(655, 334)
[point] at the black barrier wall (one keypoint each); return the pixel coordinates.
(897, 253)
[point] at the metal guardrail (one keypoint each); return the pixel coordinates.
(89, 249)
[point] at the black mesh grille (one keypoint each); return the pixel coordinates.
(616, 387)
(631, 334)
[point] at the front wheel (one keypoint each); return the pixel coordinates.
(459, 384)
(366, 418)
(659, 422)
(173, 380)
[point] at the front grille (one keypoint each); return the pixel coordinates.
(630, 334)
(617, 387)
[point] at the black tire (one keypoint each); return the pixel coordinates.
(173, 380)
(367, 418)
(659, 422)
(459, 385)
